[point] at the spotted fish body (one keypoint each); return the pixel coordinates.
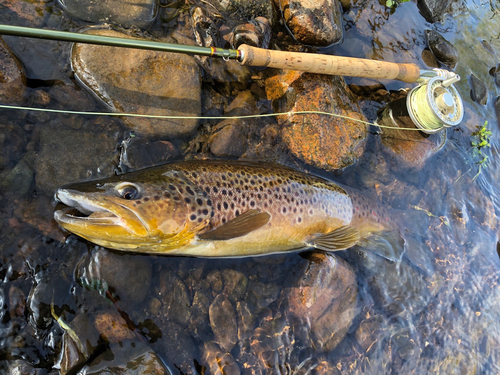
(210, 208)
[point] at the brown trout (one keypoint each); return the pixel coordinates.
(214, 208)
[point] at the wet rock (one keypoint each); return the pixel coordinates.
(479, 91)
(246, 9)
(12, 77)
(434, 10)
(255, 33)
(19, 179)
(178, 348)
(235, 284)
(24, 13)
(134, 358)
(20, 367)
(173, 294)
(68, 155)
(369, 331)
(324, 299)
(316, 23)
(429, 59)
(223, 322)
(325, 368)
(323, 141)
(13, 142)
(246, 320)
(231, 140)
(78, 343)
(226, 74)
(17, 302)
(199, 323)
(495, 73)
(410, 148)
(126, 278)
(125, 13)
(112, 327)
(137, 153)
(395, 287)
(71, 97)
(271, 346)
(215, 279)
(218, 361)
(263, 294)
(443, 51)
(144, 82)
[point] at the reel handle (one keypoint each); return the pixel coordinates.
(328, 64)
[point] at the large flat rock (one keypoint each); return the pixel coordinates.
(143, 82)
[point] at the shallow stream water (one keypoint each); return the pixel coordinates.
(440, 314)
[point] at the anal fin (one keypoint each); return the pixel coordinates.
(239, 226)
(339, 239)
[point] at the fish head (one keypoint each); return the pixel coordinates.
(123, 212)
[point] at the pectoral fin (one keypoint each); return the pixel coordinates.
(340, 239)
(388, 244)
(239, 226)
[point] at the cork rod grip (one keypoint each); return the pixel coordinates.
(328, 64)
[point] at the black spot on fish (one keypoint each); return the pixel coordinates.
(205, 212)
(167, 195)
(187, 200)
(237, 213)
(171, 187)
(226, 206)
(189, 190)
(215, 190)
(193, 217)
(146, 199)
(199, 202)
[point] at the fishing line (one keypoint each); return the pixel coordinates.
(168, 117)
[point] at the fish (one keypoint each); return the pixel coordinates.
(224, 209)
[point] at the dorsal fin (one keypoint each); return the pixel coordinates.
(339, 239)
(239, 226)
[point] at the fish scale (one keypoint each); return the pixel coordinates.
(288, 196)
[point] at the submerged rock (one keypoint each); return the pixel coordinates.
(410, 148)
(223, 322)
(434, 10)
(137, 153)
(323, 303)
(323, 141)
(131, 358)
(70, 155)
(126, 13)
(12, 77)
(218, 361)
(143, 82)
(316, 23)
(126, 277)
(443, 51)
(245, 9)
(479, 91)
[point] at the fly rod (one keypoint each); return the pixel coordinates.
(245, 54)
(432, 105)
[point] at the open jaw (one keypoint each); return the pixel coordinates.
(95, 212)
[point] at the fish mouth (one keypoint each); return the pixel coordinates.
(86, 214)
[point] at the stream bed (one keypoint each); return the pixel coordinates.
(70, 307)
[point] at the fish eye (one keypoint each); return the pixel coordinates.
(128, 191)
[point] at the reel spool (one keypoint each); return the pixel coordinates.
(432, 106)
(436, 104)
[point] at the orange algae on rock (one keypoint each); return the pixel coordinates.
(321, 140)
